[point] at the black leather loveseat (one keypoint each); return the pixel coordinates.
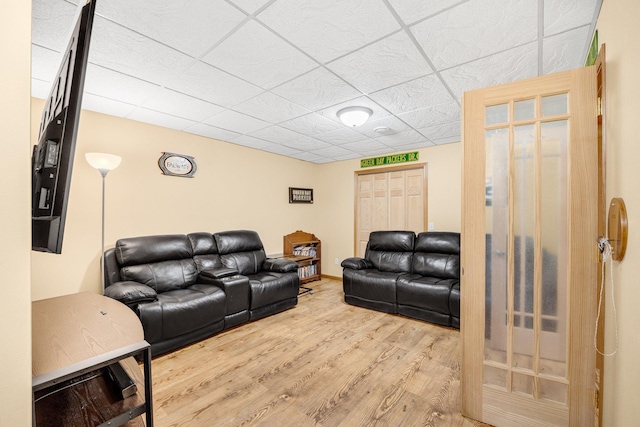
(188, 287)
(401, 273)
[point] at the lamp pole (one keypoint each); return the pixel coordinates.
(103, 163)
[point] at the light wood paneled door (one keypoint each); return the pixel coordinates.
(529, 257)
(390, 199)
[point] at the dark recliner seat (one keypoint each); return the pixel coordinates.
(186, 288)
(157, 277)
(417, 277)
(426, 294)
(273, 283)
(370, 282)
(213, 271)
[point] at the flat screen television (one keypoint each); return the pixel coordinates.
(52, 159)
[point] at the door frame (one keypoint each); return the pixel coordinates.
(412, 166)
(481, 402)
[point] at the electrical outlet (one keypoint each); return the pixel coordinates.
(337, 261)
(432, 226)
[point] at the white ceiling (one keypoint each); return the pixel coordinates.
(271, 74)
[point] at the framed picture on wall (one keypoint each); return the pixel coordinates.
(300, 195)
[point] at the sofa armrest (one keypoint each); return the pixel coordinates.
(217, 273)
(280, 265)
(131, 293)
(356, 263)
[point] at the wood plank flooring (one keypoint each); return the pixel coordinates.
(323, 363)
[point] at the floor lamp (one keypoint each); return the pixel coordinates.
(103, 163)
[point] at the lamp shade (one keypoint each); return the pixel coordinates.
(354, 116)
(103, 162)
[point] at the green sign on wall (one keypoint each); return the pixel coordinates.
(390, 159)
(593, 50)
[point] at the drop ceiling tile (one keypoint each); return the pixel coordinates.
(563, 15)
(511, 65)
(365, 146)
(311, 124)
(402, 138)
(444, 130)
(113, 85)
(212, 132)
(332, 151)
(414, 146)
(563, 51)
(340, 136)
(277, 134)
(189, 26)
(210, 84)
(414, 10)
(312, 157)
(251, 142)
(40, 89)
(181, 105)
(330, 28)
(250, 6)
(281, 149)
(448, 140)
(131, 53)
(413, 95)
(271, 108)
(476, 29)
(255, 54)
(51, 23)
(236, 122)
(392, 123)
(347, 156)
(392, 60)
(107, 106)
(362, 101)
(306, 143)
(44, 64)
(316, 89)
(432, 116)
(160, 119)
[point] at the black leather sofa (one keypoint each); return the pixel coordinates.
(188, 287)
(401, 273)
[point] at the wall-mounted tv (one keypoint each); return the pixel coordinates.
(52, 159)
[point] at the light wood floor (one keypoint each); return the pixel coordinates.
(322, 363)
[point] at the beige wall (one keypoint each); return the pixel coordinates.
(141, 201)
(234, 188)
(618, 29)
(336, 186)
(15, 207)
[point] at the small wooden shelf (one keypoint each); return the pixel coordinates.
(305, 249)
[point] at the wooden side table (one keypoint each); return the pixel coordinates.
(75, 335)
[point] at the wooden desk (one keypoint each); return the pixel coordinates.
(76, 334)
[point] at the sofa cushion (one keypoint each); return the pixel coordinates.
(437, 254)
(242, 250)
(149, 249)
(270, 287)
(428, 293)
(370, 284)
(391, 251)
(182, 311)
(163, 276)
(205, 251)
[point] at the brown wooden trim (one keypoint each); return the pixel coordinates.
(422, 165)
(326, 276)
(392, 168)
(601, 81)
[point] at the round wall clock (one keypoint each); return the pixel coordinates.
(177, 165)
(617, 228)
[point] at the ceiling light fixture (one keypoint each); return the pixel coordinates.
(354, 116)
